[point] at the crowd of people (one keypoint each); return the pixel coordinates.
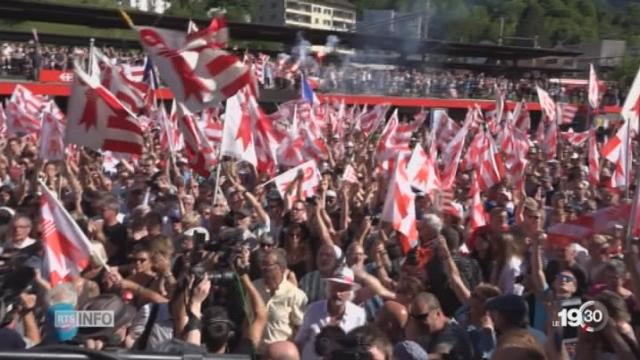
(227, 265)
(24, 60)
(449, 84)
(18, 59)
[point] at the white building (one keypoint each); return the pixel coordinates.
(157, 6)
(337, 15)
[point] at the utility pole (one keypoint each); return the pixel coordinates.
(425, 20)
(501, 30)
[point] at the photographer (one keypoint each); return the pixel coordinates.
(213, 327)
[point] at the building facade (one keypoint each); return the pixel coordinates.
(336, 15)
(391, 23)
(157, 6)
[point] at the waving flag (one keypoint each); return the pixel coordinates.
(575, 139)
(477, 213)
(369, 121)
(237, 135)
(594, 159)
(52, 134)
(310, 179)
(399, 206)
(567, 112)
(23, 111)
(67, 249)
(421, 170)
(594, 91)
(131, 93)
(547, 104)
(200, 154)
(198, 71)
(350, 175)
(96, 119)
(307, 92)
(631, 108)
(616, 150)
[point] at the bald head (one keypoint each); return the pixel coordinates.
(392, 319)
(282, 350)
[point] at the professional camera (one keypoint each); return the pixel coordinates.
(217, 277)
(352, 348)
(15, 279)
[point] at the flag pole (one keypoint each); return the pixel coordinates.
(90, 63)
(629, 152)
(216, 189)
(633, 215)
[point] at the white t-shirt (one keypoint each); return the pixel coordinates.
(317, 317)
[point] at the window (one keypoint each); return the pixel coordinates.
(326, 22)
(327, 11)
(317, 21)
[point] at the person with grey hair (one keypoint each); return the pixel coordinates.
(429, 229)
(284, 301)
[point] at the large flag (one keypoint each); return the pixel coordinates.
(239, 125)
(198, 71)
(618, 152)
(51, 145)
(131, 93)
(67, 249)
(200, 154)
(96, 119)
(310, 179)
(594, 91)
(23, 112)
(631, 108)
(547, 104)
(399, 206)
(477, 213)
(422, 171)
(369, 121)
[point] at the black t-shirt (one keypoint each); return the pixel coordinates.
(455, 338)
(244, 346)
(117, 235)
(439, 281)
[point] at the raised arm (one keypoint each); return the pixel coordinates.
(537, 270)
(457, 284)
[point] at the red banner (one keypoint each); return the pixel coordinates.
(589, 224)
(49, 76)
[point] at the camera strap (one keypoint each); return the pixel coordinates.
(144, 338)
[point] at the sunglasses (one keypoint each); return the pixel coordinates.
(420, 317)
(566, 278)
(140, 260)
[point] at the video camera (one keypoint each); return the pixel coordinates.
(15, 279)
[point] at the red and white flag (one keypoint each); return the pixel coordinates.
(96, 119)
(369, 121)
(489, 167)
(350, 175)
(547, 104)
(212, 125)
(67, 249)
(567, 112)
(477, 214)
(310, 179)
(451, 158)
(631, 108)
(422, 171)
(521, 117)
(131, 94)
(444, 129)
(616, 150)
(237, 136)
(550, 144)
(201, 155)
(51, 145)
(574, 138)
(198, 71)
(594, 159)
(23, 112)
(594, 90)
(399, 206)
